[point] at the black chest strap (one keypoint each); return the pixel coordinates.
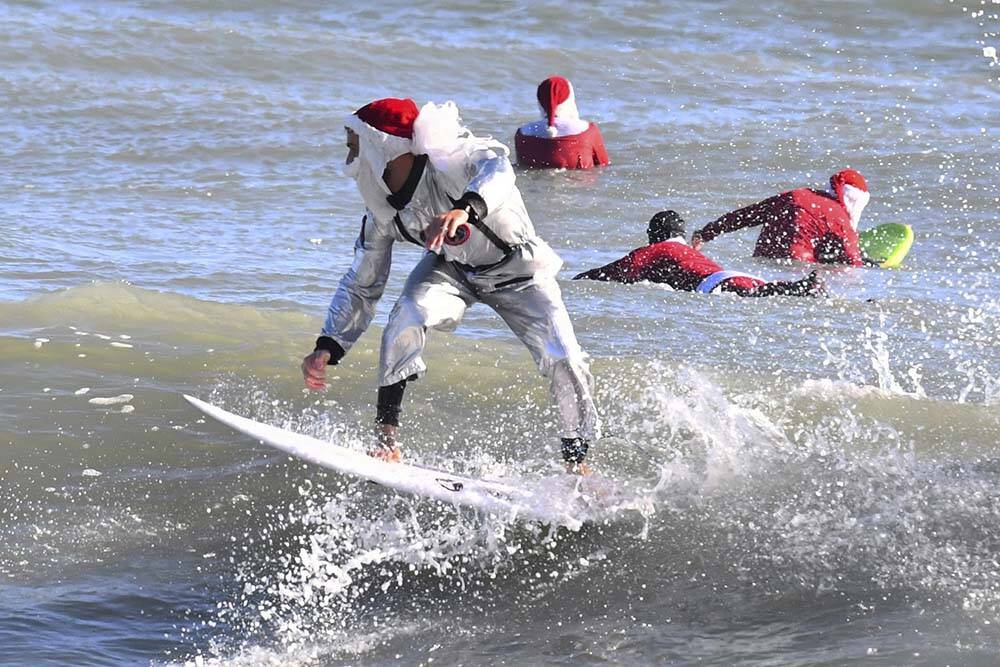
(504, 247)
(484, 229)
(405, 234)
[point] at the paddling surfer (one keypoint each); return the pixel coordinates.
(670, 260)
(426, 180)
(803, 224)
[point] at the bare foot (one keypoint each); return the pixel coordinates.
(386, 448)
(389, 455)
(581, 469)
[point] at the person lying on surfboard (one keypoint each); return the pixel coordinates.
(670, 260)
(804, 224)
(427, 180)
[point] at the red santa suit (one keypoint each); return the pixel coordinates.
(677, 264)
(561, 139)
(805, 224)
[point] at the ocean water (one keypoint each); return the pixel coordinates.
(820, 479)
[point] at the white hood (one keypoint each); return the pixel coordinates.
(376, 149)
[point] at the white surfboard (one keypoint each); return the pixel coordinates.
(489, 496)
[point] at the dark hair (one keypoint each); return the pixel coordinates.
(665, 225)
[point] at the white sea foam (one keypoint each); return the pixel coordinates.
(111, 400)
(830, 389)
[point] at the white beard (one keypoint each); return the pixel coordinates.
(855, 201)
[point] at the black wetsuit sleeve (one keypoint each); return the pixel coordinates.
(748, 216)
(619, 271)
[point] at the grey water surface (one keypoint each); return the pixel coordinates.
(820, 479)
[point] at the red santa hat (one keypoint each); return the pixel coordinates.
(555, 96)
(392, 115)
(847, 177)
(851, 190)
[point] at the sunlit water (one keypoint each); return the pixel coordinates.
(816, 482)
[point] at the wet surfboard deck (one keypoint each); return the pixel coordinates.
(491, 496)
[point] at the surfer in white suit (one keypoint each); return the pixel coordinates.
(427, 180)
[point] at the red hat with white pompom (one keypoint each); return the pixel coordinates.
(555, 96)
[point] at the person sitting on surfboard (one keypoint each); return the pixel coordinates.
(804, 224)
(561, 140)
(427, 180)
(669, 259)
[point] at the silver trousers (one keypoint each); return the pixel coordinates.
(436, 296)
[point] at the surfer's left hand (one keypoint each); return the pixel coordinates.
(580, 468)
(444, 226)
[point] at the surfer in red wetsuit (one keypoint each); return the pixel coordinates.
(561, 140)
(804, 224)
(669, 259)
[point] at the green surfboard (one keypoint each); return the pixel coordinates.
(887, 244)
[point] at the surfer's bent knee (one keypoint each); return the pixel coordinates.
(405, 313)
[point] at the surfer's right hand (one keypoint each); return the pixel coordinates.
(696, 241)
(314, 369)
